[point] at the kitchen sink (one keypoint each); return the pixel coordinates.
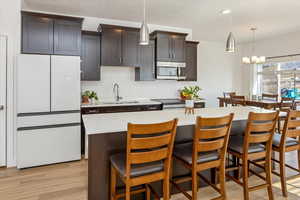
(119, 102)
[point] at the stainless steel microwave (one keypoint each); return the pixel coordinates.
(170, 71)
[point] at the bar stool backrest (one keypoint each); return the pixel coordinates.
(212, 134)
(291, 126)
(148, 143)
(260, 129)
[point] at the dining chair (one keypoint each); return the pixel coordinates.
(238, 100)
(207, 151)
(227, 95)
(272, 97)
(255, 147)
(288, 141)
(147, 159)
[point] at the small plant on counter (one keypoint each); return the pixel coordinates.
(89, 95)
(190, 92)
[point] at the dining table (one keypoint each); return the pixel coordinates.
(261, 103)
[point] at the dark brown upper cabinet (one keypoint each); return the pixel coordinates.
(191, 61)
(130, 46)
(146, 69)
(111, 52)
(119, 45)
(51, 34)
(90, 56)
(67, 37)
(170, 47)
(37, 35)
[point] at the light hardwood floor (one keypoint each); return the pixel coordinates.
(68, 181)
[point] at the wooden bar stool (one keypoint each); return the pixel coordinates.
(288, 141)
(207, 151)
(147, 159)
(255, 148)
(285, 105)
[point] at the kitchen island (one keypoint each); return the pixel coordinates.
(107, 136)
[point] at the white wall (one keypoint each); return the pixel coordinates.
(276, 46)
(10, 25)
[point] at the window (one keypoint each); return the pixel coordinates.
(282, 78)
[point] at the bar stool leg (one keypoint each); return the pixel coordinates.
(222, 182)
(127, 192)
(299, 160)
(245, 179)
(194, 184)
(282, 173)
(113, 178)
(166, 189)
(268, 169)
(148, 193)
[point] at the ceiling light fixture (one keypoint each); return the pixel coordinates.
(253, 59)
(144, 31)
(230, 43)
(225, 11)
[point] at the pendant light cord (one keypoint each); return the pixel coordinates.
(144, 11)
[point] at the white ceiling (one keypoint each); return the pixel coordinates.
(271, 17)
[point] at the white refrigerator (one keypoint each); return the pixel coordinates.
(48, 107)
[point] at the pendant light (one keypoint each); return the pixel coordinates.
(230, 43)
(253, 59)
(144, 31)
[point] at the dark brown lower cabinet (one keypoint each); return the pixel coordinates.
(191, 61)
(90, 56)
(146, 69)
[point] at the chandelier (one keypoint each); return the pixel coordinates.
(253, 59)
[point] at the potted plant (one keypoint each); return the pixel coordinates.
(88, 96)
(189, 94)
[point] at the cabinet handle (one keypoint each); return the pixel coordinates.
(120, 60)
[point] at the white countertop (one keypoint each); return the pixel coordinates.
(117, 122)
(107, 104)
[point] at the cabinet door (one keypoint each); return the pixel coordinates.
(146, 69)
(163, 48)
(37, 35)
(90, 55)
(191, 62)
(130, 39)
(65, 83)
(67, 37)
(33, 83)
(178, 48)
(111, 47)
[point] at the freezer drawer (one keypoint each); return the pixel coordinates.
(48, 145)
(65, 83)
(33, 83)
(47, 119)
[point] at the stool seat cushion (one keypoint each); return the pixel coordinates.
(185, 151)
(236, 144)
(288, 142)
(119, 162)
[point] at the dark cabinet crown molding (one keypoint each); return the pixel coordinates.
(52, 16)
(108, 26)
(192, 42)
(154, 33)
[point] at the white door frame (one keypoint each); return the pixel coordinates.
(3, 100)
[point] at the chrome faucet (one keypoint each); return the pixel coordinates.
(116, 90)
